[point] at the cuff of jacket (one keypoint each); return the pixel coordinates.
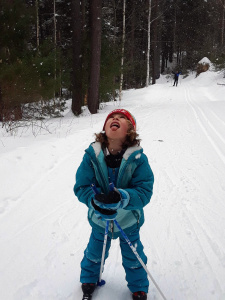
(124, 195)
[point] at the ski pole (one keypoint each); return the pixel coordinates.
(100, 280)
(136, 253)
(111, 186)
(139, 258)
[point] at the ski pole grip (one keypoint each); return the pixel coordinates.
(111, 186)
(94, 188)
(95, 191)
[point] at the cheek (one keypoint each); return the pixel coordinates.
(124, 128)
(107, 126)
(108, 131)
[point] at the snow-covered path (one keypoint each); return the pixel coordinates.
(43, 228)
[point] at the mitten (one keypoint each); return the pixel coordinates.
(113, 200)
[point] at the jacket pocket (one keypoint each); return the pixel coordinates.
(136, 214)
(127, 218)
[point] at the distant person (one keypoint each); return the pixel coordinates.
(176, 77)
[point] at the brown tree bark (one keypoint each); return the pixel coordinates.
(123, 49)
(223, 22)
(77, 58)
(154, 44)
(96, 29)
(1, 106)
(132, 33)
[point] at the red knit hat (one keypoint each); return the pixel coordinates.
(124, 112)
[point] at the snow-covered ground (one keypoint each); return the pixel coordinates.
(44, 229)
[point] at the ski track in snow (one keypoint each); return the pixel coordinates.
(206, 125)
(44, 229)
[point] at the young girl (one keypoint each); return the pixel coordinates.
(115, 157)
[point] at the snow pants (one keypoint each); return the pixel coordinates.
(175, 82)
(136, 276)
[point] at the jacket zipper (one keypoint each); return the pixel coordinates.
(119, 174)
(102, 175)
(137, 216)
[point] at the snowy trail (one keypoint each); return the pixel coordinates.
(43, 228)
(211, 132)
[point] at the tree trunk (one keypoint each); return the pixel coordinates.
(154, 60)
(96, 28)
(1, 106)
(175, 27)
(123, 43)
(163, 59)
(37, 23)
(83, 22)
(55, 46)
(222, 32)
(149, 41)
(132, 34)
(18, 114)
(77, 58)
(114, 42)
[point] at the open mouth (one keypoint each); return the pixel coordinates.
(115, 124)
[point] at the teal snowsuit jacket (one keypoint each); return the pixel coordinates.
(135, 177)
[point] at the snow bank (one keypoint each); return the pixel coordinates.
(204, 61)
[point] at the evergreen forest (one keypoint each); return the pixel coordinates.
(91, 50)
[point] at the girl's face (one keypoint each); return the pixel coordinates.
(116, 127)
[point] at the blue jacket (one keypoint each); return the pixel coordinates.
(135, 177)
(176, 75)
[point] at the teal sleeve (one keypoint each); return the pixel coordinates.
(125, 198)
(141, 186)
(85, 176)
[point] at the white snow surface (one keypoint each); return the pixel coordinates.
(204, 61)
(44, 228)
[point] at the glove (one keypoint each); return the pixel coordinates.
(112, 197)
(103, 214)
(113, 200)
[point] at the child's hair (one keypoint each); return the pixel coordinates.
(131, 138)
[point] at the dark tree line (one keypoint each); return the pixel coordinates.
(51, 49)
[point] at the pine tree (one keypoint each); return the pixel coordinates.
(96, 28)
(77, 58)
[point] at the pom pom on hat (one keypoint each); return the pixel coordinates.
(124, 112)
